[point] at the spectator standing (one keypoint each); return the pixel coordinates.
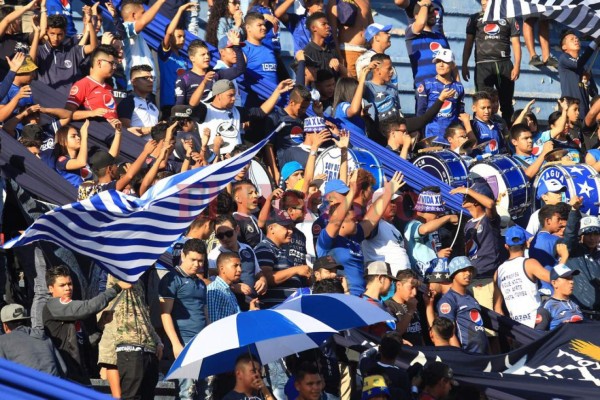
(184, 311)
(459, 306)
(92, 96)
(547, 59)
(493, 66)
(28, 346)
(246, 198)
(225, 16)
(550, 192)
(69, 156)
(484, 128)
(296, 23)
(19, 96)
(423, 42)
(62, 8)
(380, 91)
(378, 37)
(62, 319)
(403, 305)
(560, 309)
(233, 62)
(428, 92)
(318, 49)
(138, 112)
(347, 29)
(516, 280)
(12, 37)
(378, 281)
(59, 57)
(571, 68)
(437, 380)
(171, 63)
(409, 7)
(521, 138)
(193, 85)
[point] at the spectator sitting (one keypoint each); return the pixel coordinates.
(437, 380)
(27, 346)
(325, 268)
(550, 192)
(347, 102)
(19, 95)
(248, 381)
(522, 141)
(59, 58)
(461, 308)
(559, 309)
(325, 85)
(484, 128)
(441, 332)
(31, 116)
(170, 61)
(93, 93)
(138, 112)
(135, 19)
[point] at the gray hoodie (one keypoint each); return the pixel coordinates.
(32, 348)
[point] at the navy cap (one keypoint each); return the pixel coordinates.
(516, 236)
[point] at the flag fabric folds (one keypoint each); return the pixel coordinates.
(580, 15)
(125, 234)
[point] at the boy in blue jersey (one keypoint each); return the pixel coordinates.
(422, 42)
(560, 123)
(428, 93)
(559, 309)
(261, 63)
(171, 64)
(379, 91)
(484, 128)
(459, 306)
(522, 141)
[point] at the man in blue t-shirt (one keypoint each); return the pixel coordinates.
(559, 309)
(459, 306)
(343, 235)
(422, 42)
(183, 304)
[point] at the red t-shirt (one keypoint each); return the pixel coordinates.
(93, 95)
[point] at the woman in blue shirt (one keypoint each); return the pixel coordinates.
(70, 154)
(347, 101)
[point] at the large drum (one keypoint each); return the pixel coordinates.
(328, 163)
(446, 165)
(508, 182)
(580, 179)
(258, 175)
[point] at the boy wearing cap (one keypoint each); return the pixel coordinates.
(559, 309)
(429, 91)
(421, 233)
(459, 306)
(582, 236)
(551, 192)
(516, 280)
(232, 63)
(437, 381)
(378, 37)
(27, 346)
(483, 242)
(379, 90)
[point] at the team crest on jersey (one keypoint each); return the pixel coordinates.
(445, 308)
(74, 90)
(250, 229)
(421, 88)
(502, 22)
(245, 254)
(316, 229)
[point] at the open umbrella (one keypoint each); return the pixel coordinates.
(339, 311)
(267, 334)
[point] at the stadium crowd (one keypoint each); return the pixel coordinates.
(309, 215)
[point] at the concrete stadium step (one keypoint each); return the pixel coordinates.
(165, 390)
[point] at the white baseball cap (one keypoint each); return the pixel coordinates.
(445, 55)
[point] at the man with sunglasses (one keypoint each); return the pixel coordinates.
(252, 280)
(92, 96)
(138, 112)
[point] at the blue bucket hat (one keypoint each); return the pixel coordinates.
(458, 264)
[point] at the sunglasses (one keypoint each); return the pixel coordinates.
(223, 235)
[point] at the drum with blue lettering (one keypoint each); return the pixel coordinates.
(328, 163)
(446, 165)
(508, 182)
(580, 179)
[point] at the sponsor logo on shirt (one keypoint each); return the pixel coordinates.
(109, 101)
(297, 134)
(446, 110)
(491, 29)
(445, 308)
(476, 319)
(435, 46)
(421, 88)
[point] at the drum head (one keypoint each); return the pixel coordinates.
(261, 178)
(580, 180)
(328, 163)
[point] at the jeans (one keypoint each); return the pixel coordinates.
(192, 389)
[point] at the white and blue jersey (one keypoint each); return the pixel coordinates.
(465, 311)
(428, 93)
(555, 312)
(488, 131)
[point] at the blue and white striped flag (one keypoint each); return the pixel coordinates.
(126, 234)
(580, 15)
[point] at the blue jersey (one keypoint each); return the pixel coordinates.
(488, 131)
(421, 50)
(59, 7)
(23, 103)
(427, 94)
(262, 61)
(171, 67)
(555, 312)
(356, 125)
(385, 99)
(465, 311)
(543, 249)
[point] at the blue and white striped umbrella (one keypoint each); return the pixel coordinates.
(267, 334)
(340, 311)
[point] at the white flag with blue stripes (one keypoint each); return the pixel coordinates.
(126, 234)
(580, 15)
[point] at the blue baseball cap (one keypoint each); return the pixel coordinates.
(516, 236)
(458, 264)
(374, 29)
(550, 185)
(336, 185)
(289, 168)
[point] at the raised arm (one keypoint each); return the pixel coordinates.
(337, 218)
(421, 17)
(376, 211)
(355, 108)
(15, 15)
(137, 165)
(148, 16)
(166, 43)
(283, 87)
(81, 160)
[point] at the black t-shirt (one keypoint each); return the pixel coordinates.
(321, 56)
(292, 133)
(492, 39)
(250, 233)
(413, 332)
